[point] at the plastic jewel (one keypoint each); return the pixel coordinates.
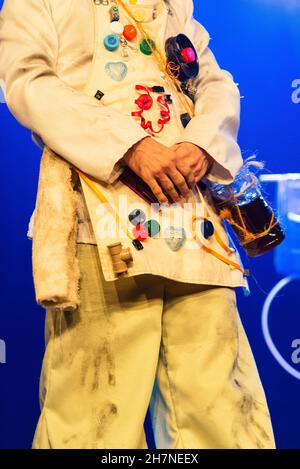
(137, 244)
(188, 55)
(157, 89)
(116, 70)
(114, 14)
(153, 227)
(181, 51)
(139, 15)
(144, 102)
(185, 119)
(99, 95)
(130, 32)
(146, 46)
(140, 232)
(207, 228)
(175, 237)
(111, 42)
(117, 27)
(137, 217)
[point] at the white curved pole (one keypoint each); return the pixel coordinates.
(265, 326)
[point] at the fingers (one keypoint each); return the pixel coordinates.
(201, 173)
(162, 184)
(195, 174)
(157, 166)
(157, 190)
(168, 187)
(180, 181)
(189, 172)
(190, 178)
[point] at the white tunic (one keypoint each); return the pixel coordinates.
(190, 263)
(95, 135)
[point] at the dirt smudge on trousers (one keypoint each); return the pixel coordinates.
(99, 363)
(81, 346)
(105, 416)
(248, 420)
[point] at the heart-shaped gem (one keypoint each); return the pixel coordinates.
(116, 70)
(174, 237)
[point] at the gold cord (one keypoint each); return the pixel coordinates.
(247, 235)
(163, 65)
(216, 235)
(167, 68)
(104, 200)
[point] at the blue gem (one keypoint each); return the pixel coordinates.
(111, 42)
(207, 229)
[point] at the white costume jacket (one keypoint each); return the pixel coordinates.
(52, 62)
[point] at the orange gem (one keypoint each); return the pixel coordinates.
(130, 32)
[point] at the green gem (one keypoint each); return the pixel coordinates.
(146, 46)
(153, 227)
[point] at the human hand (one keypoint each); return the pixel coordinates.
(192, 161)
(156, 165)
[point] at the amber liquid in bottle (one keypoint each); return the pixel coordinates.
(257, 216)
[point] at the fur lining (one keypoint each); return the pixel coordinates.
(55, 266)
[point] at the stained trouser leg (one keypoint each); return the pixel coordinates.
(207, 392)
(100, 362)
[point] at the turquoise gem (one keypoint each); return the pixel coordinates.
(153, 227)
(111, 42)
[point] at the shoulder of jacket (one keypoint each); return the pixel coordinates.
(193, 28)
(185, 7)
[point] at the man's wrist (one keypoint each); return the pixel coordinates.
(130, 150)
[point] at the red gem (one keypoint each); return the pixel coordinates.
(140, 232)
(188, 55)
(144, 102)
(130, 32)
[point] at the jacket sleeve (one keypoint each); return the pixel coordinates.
(72, 124)
(217, 109)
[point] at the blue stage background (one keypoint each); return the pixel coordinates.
(258, 41)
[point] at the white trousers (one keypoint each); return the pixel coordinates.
(146, 340)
